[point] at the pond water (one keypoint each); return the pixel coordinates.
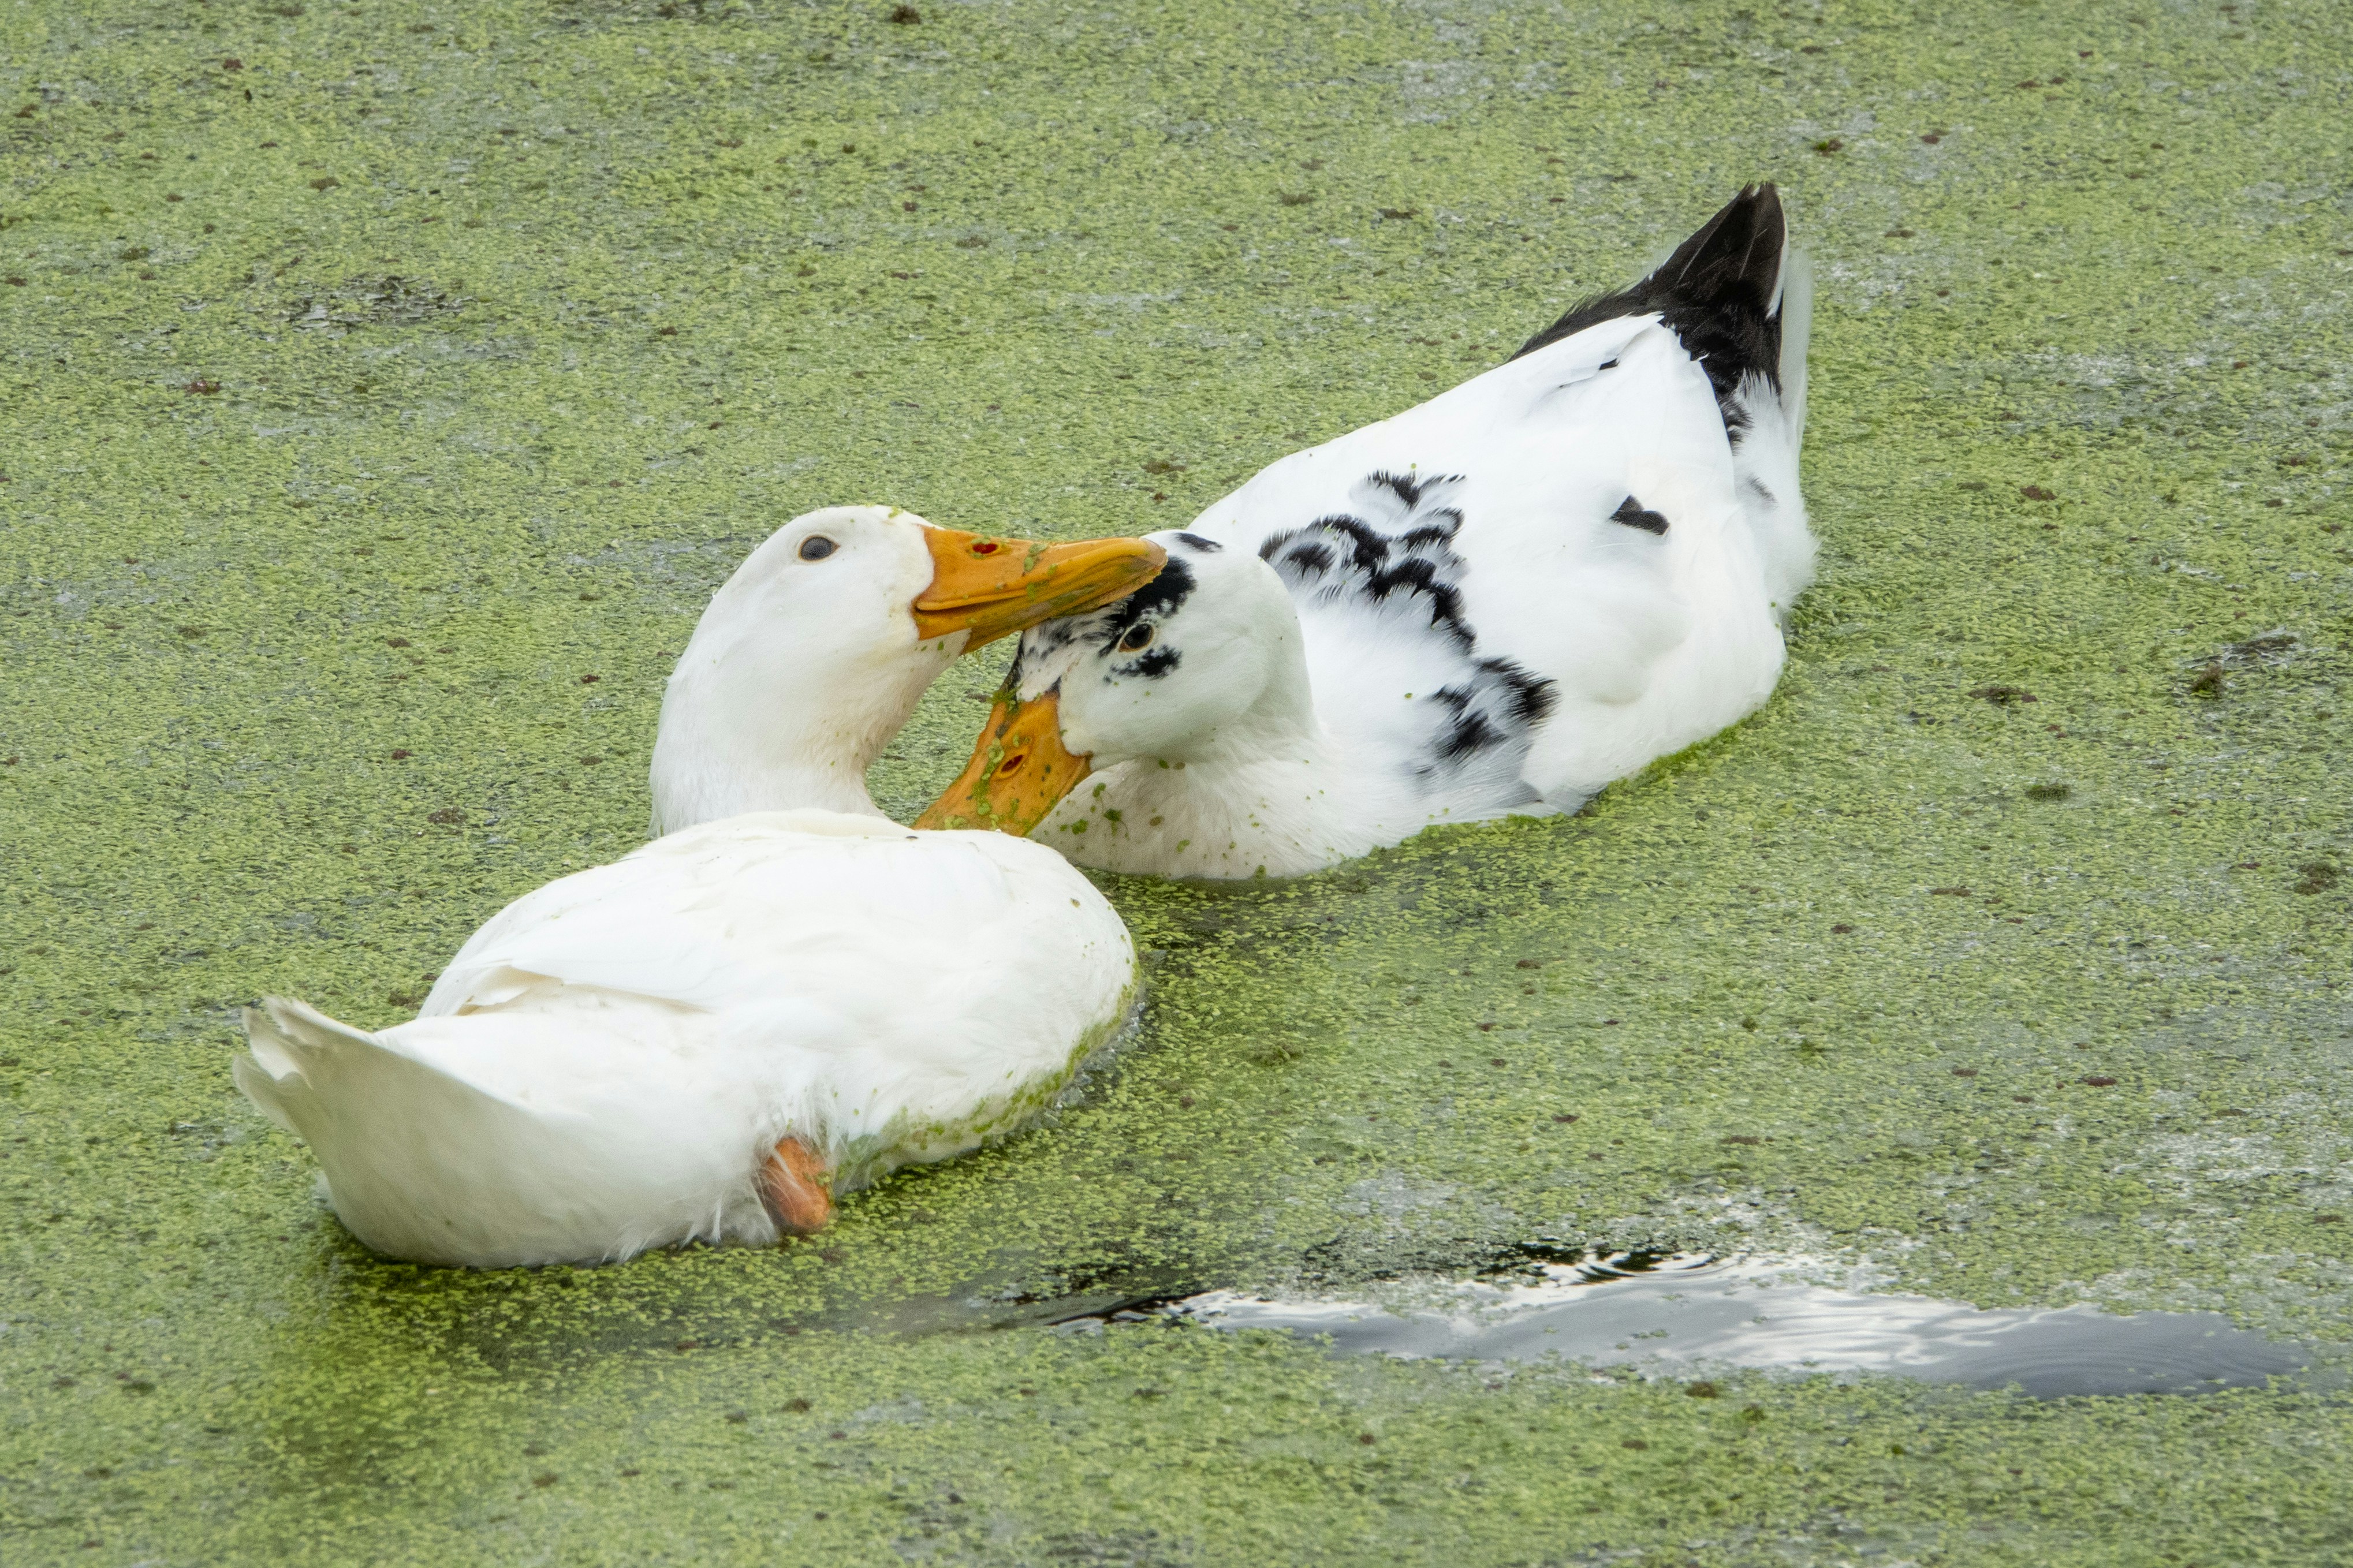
(1687, 1313)
(383, 388)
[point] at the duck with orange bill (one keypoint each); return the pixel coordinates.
(786, 995)
(1493, 604)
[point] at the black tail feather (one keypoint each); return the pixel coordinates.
(1718, 292)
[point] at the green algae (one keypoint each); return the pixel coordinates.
(483, 341)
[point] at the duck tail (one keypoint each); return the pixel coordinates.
(430, 1152)
(1797, 322)
(282, 1038)
(408, 1150)
(1723, 292)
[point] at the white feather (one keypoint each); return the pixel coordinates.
(1643, 643)
(607, 1062)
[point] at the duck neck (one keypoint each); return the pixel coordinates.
(1278, 810)
(736, 736)
(1269, 792)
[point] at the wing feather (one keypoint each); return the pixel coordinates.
(1540, 458)
(724, 914)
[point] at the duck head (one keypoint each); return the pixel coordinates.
(812, 656)
(1204, 663)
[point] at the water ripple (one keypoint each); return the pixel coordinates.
(1685, 1310)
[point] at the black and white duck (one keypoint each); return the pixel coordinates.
(1493, 604)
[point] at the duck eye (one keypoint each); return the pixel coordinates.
(815, 547)
(1137, 639)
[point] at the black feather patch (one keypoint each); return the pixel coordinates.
(1038, 647)
(1400, 555)
(1161, 596)
(1468, 732)
(1632, 513)
(1714, 294)
(1312, 557)
(1156, 601)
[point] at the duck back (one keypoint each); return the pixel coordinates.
(1579, 561)
(607, 1062)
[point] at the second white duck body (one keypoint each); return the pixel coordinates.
(1495, 603)
(707, 1040)
(785, 997)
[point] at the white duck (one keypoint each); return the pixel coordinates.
(786, 996)
(1495, 603)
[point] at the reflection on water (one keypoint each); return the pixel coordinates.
(1690, 1310)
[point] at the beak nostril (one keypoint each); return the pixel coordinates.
(1011, 764)
(984, 547)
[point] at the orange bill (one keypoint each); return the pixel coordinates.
(1018, 771)
(990, 586)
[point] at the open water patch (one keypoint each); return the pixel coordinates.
(1684, 1311)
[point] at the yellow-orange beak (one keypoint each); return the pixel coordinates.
(1018, 772)
(990, 586)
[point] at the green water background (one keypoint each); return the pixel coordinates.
(382, 388)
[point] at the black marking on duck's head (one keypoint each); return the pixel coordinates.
(1164, 595)
(1634, 514)
(1048, 636)
(1038, 646)
(1130, 626)
(1206, 546)
(1715, 293)
(1132, 621)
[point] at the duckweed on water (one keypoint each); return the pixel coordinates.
(352, 522)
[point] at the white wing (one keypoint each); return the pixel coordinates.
(728, 912)
(1539, 460)
(939, 960)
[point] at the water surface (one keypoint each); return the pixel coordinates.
(1688, 1311)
